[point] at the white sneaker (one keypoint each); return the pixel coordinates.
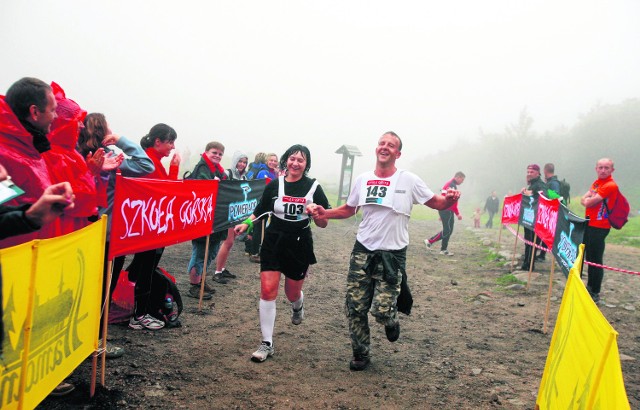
(263, 352)
(446, 253)
(426, 242)
(145, 322)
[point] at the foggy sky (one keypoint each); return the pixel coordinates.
(263, 75)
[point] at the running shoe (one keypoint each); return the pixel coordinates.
(62, 389)
(297, 315)
(264, 351)
(111, 351)
(145, 322)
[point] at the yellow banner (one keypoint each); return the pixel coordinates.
(51, 312)
(583, 365)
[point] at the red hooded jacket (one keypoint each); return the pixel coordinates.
(25, 166)
(66, 164)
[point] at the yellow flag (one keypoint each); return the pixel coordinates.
(582, 370)
(51, 312)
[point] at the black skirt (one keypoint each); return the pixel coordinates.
(287, 252)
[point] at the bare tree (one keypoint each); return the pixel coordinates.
(522, 129)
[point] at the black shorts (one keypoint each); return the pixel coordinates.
(286, 252)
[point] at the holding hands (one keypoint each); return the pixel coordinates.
(318, 214)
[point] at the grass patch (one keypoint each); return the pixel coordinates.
(629, 235)
(491, 255)
(424, 213)
(509, 279)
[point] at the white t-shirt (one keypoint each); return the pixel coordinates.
(385, 222)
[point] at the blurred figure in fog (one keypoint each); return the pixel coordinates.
(447, 216)
(491, 206)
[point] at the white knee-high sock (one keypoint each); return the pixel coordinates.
(298, 303)
(267, 319)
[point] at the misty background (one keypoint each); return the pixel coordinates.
(483, 87)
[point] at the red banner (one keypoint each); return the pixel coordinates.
(546, 219)
(511, 209)
(152, 213)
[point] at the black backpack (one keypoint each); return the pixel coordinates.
(165, 299)
(565, 191)
(191, 174)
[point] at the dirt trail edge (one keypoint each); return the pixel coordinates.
(469, 343)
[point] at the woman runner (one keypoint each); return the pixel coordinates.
(288, 246)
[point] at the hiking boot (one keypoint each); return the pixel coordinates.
(227, 274)
(428, 244)
(359, 363)
(62, 389)
(207, 288)
(194, 292)
(145, 322)
(255, 258)
(525, 267)
(540, 259)
(297, 315)
(446, 253)
(264, 351)
(111, 351)
(217, 277)
(393, 332)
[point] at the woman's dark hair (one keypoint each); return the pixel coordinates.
(294, 149)
(163, 132)
(94, 131)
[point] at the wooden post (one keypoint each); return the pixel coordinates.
(204, 271)
(546, 313)
(515, 244)
(104, 324)
(533, 256)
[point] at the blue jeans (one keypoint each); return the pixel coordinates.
(196, 263)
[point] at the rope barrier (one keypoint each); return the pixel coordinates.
(542, 248)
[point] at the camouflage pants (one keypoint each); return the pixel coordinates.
(368, 292)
